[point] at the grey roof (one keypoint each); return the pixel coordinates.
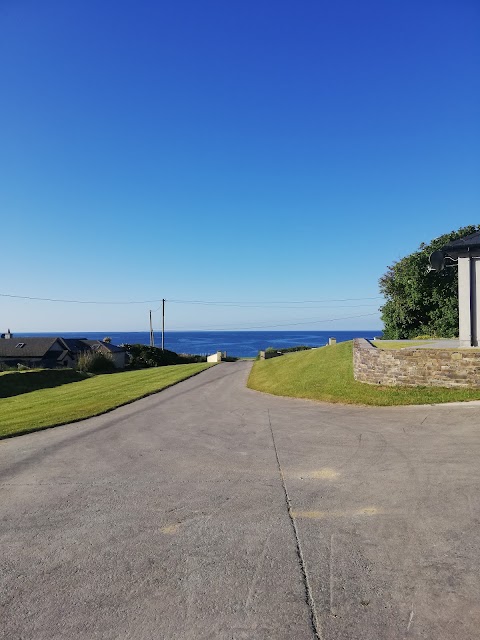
(106, 345)
(465, 245)
(38, 347)
(75, 345)
(32, 347)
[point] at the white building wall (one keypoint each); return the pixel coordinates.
(475, 300)
(215, 357)
(464, 302)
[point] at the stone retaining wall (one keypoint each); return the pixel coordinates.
(415, 367)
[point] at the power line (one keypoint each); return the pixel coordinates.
(8, 295)
(268, 306)
(261, 306)
(290, 324)
(255, 303)
(265, 305)
(213, 303)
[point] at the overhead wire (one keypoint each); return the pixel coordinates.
(288, 324)
(241, 304)
(246, 304)
(268, 306)
(255, 303)
(124, 302)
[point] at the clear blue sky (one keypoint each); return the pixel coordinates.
(228, 151)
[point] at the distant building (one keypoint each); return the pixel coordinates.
(53, 352)
(78, 346)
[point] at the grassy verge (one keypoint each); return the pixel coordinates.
(399, 344)
(326, 375)
(91, 397)
(402, 344)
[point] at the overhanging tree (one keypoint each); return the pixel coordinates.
(419, 302)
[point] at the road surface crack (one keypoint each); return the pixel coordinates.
(316, 625)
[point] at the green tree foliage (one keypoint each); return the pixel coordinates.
(419, 301)
(142, 355)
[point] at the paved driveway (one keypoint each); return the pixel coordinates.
(168, 519)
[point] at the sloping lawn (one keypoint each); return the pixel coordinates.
(326, 374)
(91, 397)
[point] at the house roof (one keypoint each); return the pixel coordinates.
(75, 345)
(466, 245)
(32, 347)
(113, 348)
(39, 347)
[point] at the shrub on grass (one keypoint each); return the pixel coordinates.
(7, 367)
(300, 347)
(95, 362)
(191, 358)
(141, 355)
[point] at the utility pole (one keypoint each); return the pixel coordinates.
(152, 339)
(163, 324)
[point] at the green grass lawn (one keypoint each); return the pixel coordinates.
(90, 397)
(326, 375)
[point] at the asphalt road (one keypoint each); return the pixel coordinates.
(210, 511)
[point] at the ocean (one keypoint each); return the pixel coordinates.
(235, 343)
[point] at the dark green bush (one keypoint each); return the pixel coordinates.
(187, 358)
(7, 367)
(300, 347)
(141, 355)
(95, 362)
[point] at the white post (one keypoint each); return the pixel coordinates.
(464, 302)
(475, 300)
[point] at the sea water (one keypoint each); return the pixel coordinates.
(235, 343)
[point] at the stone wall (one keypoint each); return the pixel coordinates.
(415, 367)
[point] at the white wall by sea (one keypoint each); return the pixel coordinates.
(215, 357)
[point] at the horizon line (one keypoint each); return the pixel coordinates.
(106, 331)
